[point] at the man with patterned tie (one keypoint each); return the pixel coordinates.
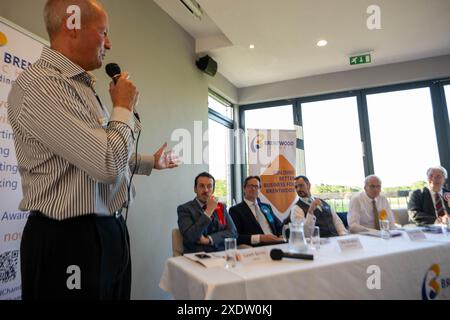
(366, 208)
(255, 221)
(204, 222)
(430, 205)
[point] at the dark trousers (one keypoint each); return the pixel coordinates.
(80, 258)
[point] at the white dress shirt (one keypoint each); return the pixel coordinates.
(259, 216)
(360, 213)
(310, 220)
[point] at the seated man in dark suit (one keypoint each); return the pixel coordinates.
(255, 221)
(204, 222)
(431, 204)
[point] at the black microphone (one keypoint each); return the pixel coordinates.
(113, 70)
(277, 254)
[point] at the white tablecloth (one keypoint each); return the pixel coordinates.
(407, 269)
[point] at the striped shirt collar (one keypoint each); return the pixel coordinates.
(66, 66)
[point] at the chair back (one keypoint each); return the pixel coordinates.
(343, 216)
(177, 243)
(401, 216)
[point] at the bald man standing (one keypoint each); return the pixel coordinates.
(75, 161)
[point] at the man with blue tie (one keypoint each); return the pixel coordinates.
(204, 222)
(255, 221)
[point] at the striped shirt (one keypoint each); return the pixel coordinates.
(74, 158)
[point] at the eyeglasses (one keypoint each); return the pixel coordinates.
(371, 186)
(253, 186)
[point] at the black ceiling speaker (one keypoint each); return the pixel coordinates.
(207, 65)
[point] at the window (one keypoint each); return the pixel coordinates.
(391, 131)
(403, 136)
(220, 129)
(333, 154)
(280, 117)
(220, 105)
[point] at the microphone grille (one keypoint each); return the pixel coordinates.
(276, 254)
(113, 69)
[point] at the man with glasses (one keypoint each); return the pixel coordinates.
(315, 211)
(368, 207)
(255, 221)
(204, 222)
(430, 205)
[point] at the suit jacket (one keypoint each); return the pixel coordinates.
(421, 208)
(193, 223)
(247, 225)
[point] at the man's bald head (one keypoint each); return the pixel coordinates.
(82, 39)
(55, 13)
(372, 186)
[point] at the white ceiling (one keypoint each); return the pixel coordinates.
(285, 33)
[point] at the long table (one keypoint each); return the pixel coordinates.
(397, 268)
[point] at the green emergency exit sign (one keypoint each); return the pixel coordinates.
(360, 59)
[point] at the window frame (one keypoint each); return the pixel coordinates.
(229, 124)
(438, 101)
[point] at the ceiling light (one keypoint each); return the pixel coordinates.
(322, 43)
(252, 46)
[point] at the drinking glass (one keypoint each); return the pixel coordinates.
(230, 253)
(384, 229)
(315, 238)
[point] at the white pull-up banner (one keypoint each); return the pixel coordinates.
(271, 155)
(18, 49)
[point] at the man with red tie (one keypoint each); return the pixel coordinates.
(431, 204)
(204, 222)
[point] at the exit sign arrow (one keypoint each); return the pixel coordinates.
(360, 59)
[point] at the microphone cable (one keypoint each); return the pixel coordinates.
(124, 234)
(132, 176)
(113, 70)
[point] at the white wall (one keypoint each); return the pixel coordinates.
(160, 57)
(431, 68)
(225, 88)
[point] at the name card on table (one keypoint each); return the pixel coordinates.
(350, 244)
(416, 235)
(253, 255)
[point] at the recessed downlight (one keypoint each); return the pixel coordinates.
(322, 43)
